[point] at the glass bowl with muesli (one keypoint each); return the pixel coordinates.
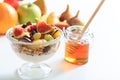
(34, 43)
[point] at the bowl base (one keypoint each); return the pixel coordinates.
(31, 71)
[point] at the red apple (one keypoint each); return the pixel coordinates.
(14, 3)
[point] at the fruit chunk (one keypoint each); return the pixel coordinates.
(42, 27)
(40, 41)
(48, 37)
(56, 34)
(30, 28)
(19, 32)
(62, 25)
(36, 36)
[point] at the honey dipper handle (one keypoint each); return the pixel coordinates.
(93, 15)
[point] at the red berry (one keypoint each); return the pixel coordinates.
(28, 23)
(31, 28)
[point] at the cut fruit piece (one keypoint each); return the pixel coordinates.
(36, 36)
(43, 27)
(56, 34)
(41, 41)
(19, 32)
(48, 37)
(37, 42)
(62, 25)
(29, 28)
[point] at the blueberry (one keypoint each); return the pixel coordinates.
(33, 32)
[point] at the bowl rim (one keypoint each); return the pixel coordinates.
(15, 41)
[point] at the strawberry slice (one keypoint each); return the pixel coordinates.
(43, 27)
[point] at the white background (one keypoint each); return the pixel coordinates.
(104, 57)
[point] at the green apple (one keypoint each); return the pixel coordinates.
(28, 12)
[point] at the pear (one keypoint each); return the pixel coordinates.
(75, 20)
(52, 18)
(42, 5)
(44, 18)
(66, 15)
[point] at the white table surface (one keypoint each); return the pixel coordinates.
(104, 57)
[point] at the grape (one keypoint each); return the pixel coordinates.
(33, 32)
(37, 36)
(48, 37)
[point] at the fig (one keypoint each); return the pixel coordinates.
(19, 32)
(62, 25)
(75, 20)
(66, 15)
(43, 27)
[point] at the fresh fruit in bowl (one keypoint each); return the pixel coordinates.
(34, 43)
(8, 17)
(28, 12)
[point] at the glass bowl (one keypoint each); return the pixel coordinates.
(34, 53)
